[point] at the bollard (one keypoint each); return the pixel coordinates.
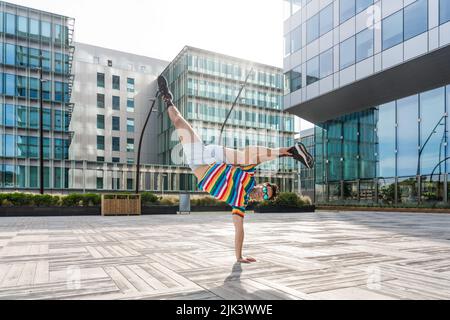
(185, 203)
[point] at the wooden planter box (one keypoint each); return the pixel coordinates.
(121, 205)
(275, 209)
(25, 211)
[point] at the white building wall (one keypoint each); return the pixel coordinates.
(90, 60)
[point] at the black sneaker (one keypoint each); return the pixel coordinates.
(163, 87)
(300, 153)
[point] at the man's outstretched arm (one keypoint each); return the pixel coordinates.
(239, 239)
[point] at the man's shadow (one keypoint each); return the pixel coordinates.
(234, 283)
(236, 273)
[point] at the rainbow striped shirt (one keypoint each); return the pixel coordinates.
(231, 184)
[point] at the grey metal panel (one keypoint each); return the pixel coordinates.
(423, 73)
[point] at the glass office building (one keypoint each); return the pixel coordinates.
(30, 39)
(373, 76)
(205, 85)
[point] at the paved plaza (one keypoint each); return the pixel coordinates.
(301, 256)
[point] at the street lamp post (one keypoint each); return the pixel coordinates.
(141, 138)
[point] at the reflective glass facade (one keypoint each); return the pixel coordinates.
(395, 153)
(28, 38)
(401, 145)
(363, 36)
(206, 84)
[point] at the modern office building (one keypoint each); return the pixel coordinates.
(373, 76)
(96, 100)
(29, 40)
(205, 85)
(112, 94)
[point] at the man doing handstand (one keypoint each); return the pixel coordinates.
(228, 174)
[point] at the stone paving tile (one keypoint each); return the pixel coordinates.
(357, 255)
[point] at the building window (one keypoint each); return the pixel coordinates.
(392, 30)
(130, 85)
(100, 80)
(10, 115)
(33, 147)
(100, 159)
(116, 103)
(116, 82)
(326, 20)
(116, 160)
(296, 39)
(110, 63)
(364, 45)
(130, 160)
(100, 100)
(347, 53)
(10, 54)
(130, 145)
(291, 7)
(294, 80)
(362, 5)
(116, 123)
(416, 19)
(100, 122)
(130, 125)
(326, 63)
(10, 24)
(100, 182)
(408, 135)
(116, 144)
(444, 11)
(312, 29)
(100, 143)
(22, 26)
(432, 108)
(287, 44)
(130, 105)
(130, 183)
(34, 28)
(312, 71)
(22, 117)
(347, 10)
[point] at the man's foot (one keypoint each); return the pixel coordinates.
(300, 153)
(163, 87)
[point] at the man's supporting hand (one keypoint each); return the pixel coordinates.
(246, 260)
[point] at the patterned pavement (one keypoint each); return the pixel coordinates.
(301, 256)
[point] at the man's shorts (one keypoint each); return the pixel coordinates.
(197, 155)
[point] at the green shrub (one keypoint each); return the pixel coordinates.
(91, 199)
(166, 202)
(20, 199)
(149, 198)
(45, 200)
(287, 199)
(72, 200)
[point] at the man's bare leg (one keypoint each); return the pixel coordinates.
(254, 155)
(185, 131)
